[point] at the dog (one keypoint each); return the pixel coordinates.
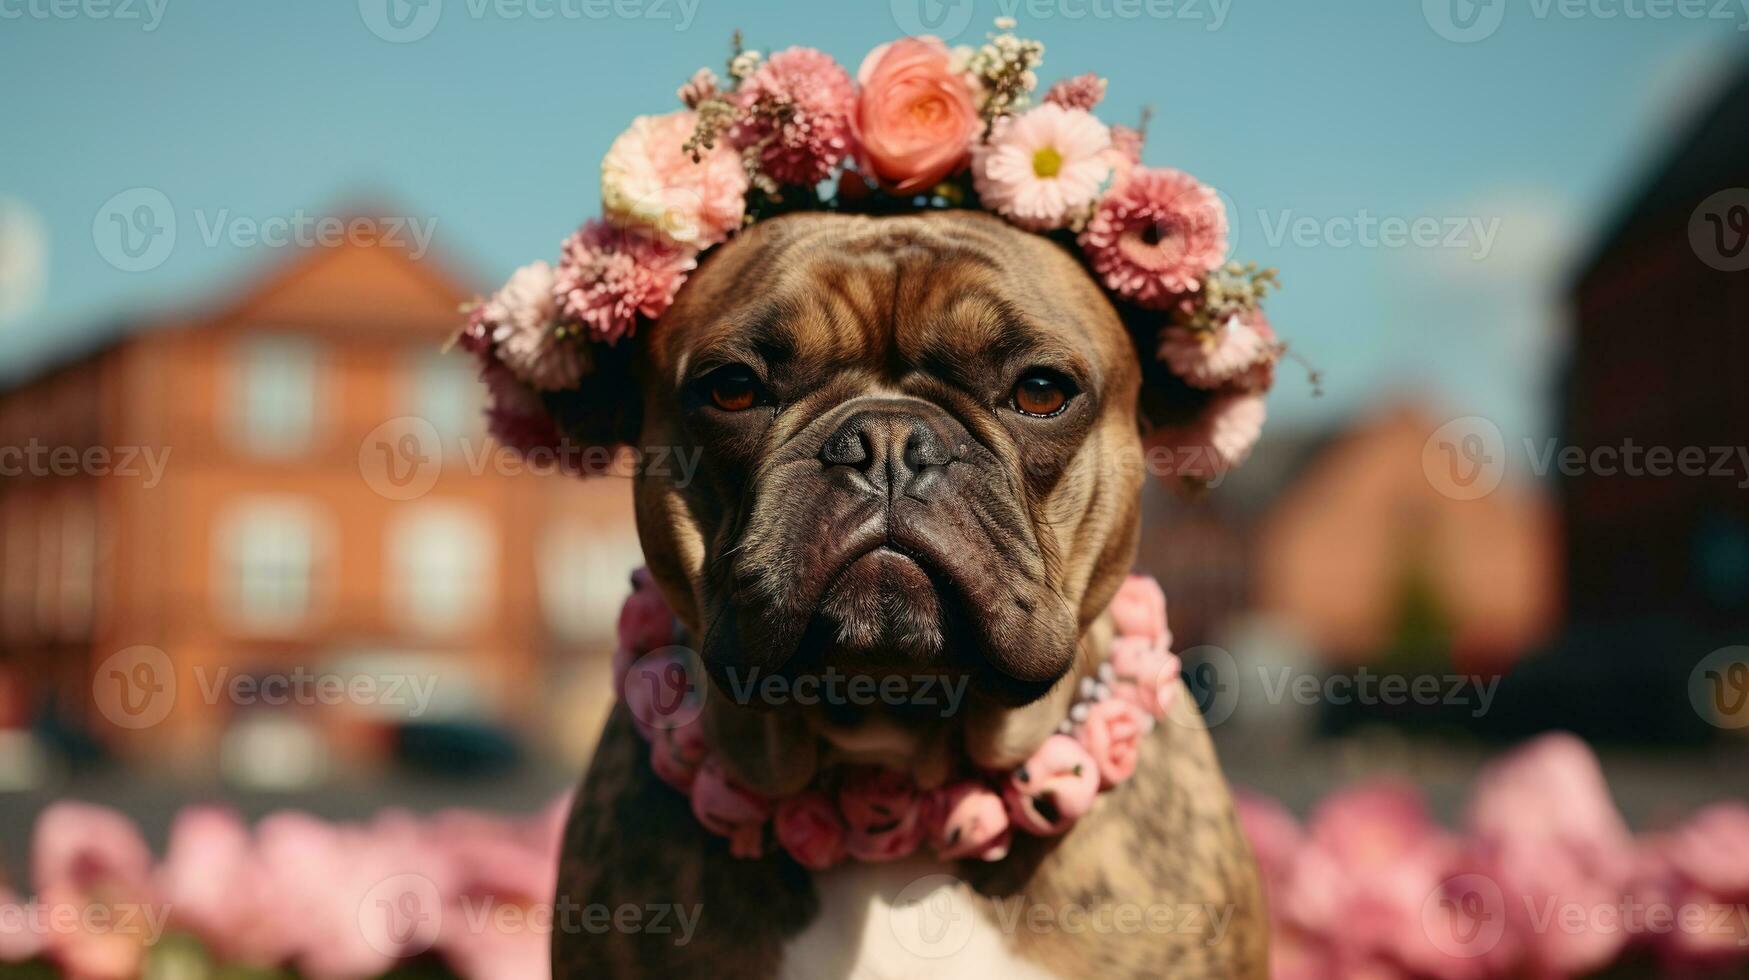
(875, 498)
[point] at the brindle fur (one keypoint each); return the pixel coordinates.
(903, 293)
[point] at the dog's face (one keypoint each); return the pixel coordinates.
(918, 451)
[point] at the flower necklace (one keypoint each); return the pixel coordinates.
(868, 813)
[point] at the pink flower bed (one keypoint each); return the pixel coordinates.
(1544, 880)
(468, 892)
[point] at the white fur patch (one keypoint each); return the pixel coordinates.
(907, 920)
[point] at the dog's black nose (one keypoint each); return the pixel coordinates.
(896, 448)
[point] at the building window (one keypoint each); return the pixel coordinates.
(584, 569)
(446, 391)
(268, 553)
(275, 397)
(442, 567)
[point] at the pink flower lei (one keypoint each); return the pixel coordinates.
(870, 814)
(919, 125)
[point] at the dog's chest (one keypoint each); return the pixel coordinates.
(908, 920)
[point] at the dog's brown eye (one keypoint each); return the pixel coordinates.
(733, 389)
(1040, 394)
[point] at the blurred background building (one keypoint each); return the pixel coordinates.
(297, 492)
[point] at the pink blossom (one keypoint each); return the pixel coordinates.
(19, 939)
(217, 888)
(521, 317)
(1545, 829)
(969, 820)
(1711, 850)
(1139, 609)
(1052, 789)
(799, 103)
(611, 275)
(491, 924)
(1147, 674)
(1112, 734)
(1154, 236)
(1218, 439)
(650, 182)
(809, 827)
(676, 753)
(1044, 168)
(1080, 92)
(664, 690)
(85, 857)
(1212, 358)
(915, 115)
(1126, 150)
(728, 809)
(645, 621)
(884, 812)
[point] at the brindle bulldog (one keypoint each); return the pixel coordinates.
(921, 458)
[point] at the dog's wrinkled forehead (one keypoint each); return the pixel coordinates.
(958, 295)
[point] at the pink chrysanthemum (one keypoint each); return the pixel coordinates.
(610, 276)
(1080, 92)
(1220, 438)
(650, 180)
(797, 114)
(1212, 358)
(1155, 235)
(1043, 169)
(522, 319)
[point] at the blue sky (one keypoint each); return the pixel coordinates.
(485, 126)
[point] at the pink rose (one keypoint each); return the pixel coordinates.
(884, 812)
(1147, 674)
(664, 691)
(915, 118)
(88, 857)
(645, 621)
(1139, 609)
(1052, 789)
(728, 809)
(809, 828)
(1112, 734)
(676, 753)
(969, 820)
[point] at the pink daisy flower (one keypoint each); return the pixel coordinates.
(799, 104)
(521, 318)
(1211, 358)
(649, 180)
(1080, 92)
(1155, 235)
(610, 276)
(1043, 169)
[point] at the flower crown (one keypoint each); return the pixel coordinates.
(921, 126)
